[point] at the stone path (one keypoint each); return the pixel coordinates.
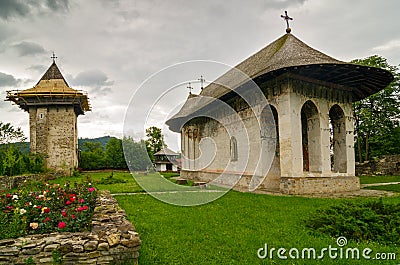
(379, 184)
(354, 194)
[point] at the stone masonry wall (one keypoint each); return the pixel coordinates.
(113, 240)
(7, 182)
(388, 165)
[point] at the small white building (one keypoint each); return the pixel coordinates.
(166, 160)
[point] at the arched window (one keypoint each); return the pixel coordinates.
(234, 149)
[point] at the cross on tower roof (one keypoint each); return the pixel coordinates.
(54, 57)
(287, 18)
(202, 80)
(190, 88)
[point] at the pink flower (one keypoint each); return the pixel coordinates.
(79, 209)
(91, 189)
(82, 200)
(63, 213)
(62, 225)
(85, 207)
(68, 202)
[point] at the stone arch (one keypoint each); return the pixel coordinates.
(338, 139)
(311, 137)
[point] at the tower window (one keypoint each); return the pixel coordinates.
(234, 149)
(41, 115)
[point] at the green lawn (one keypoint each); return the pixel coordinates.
(229, 230)
(378, 179)
(391, 187)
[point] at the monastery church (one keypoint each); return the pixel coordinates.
(310, 97)
(53, 109)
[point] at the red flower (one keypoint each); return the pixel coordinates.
(85, 207)
(72, 199)
(46, 220)
(79, 209)
(46, 210)
(63, 213)
(91, 189)
(38, 207)
(8, 195)
(62, 225)
(68, 202)
(73, 216)
(82, 200)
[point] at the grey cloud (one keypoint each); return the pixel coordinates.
(8, 80)
(28, 48)
(21, 8)
(91, 78)
(38, 68)
(282, 4)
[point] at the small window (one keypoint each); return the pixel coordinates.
(234, 149)
(41, 115)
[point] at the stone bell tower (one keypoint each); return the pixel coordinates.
(53, 109)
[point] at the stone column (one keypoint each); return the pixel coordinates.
(325, 141)
(291, 159)
(349, 125)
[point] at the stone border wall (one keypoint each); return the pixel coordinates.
(113, 240)
(388, 165)
(7, 182)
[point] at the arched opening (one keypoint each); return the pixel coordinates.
(337, 139)
(275, 114)
(234, 149)
(311, 137)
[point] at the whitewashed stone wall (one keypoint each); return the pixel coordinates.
(288, 97)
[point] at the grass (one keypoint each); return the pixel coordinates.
(381, 179)
(391, 187)
(231, 230)
(378, 179)
(129, 186)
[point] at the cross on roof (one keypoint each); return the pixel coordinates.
(202, 80)
(190, 88)
(54, 57)
(287, 18)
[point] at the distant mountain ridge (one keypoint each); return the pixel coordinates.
(24, 146)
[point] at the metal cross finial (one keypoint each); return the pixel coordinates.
(54, 57)
(190, 88)
(287, 18)
(202, 80)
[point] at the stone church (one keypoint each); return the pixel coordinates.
(310, 98)
(53, 109)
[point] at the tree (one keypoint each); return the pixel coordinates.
(10, 155)
(115, 154)
(92, 156)
(154, 141)
(377, 116)
(136, 154)
(8, 134)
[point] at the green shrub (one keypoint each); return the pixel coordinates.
(367, 221)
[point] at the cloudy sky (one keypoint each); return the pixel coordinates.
(111, 47)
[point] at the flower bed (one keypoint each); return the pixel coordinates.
(111, 240)
(46, 208)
